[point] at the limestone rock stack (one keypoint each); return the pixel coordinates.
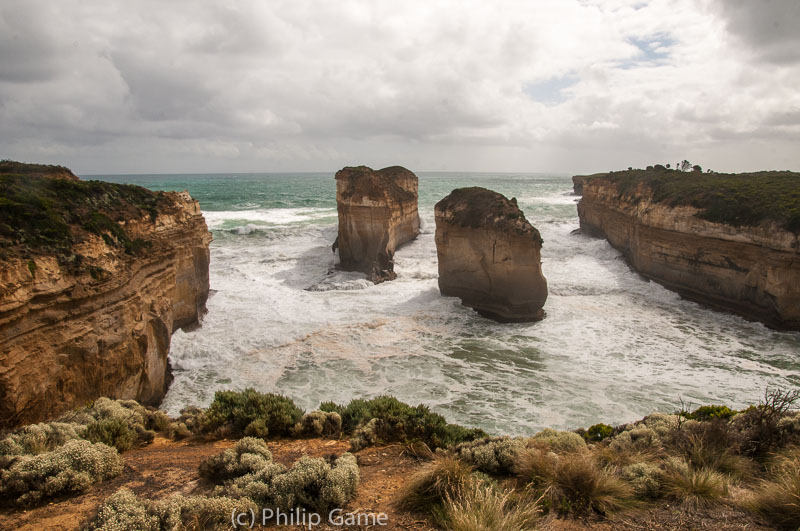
(489, 255)
(377, 214)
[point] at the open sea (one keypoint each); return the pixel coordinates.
(613, 347)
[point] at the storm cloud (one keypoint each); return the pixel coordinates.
(564, 85)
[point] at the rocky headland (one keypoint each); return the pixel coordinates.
(489, 255)
(95, 278)
(729, 241)
(377, 214)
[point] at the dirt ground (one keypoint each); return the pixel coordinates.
(167, 467)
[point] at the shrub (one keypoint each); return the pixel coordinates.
(579, 486)
(598, 432)
(483, 508)
(761, 426)
(493, 455)
(316, 484)
(645, 478)
(248, 455)
(190, 421)
(247, 471)
(778, 500)
(38, 438)
(426, 492)
(710, 412)
(73, 467)
(560, 441)
(124, 510)
(112, 432)
(694, 487)
(319, 424)
(235, 411)
(396, 421)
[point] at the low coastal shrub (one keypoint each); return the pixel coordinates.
(71, 468)
(38, 438)
(247, 471)
(319, 424)
(124, 510)
(693, 487)
(598, 432)
(493, 455)
(560, 441)
(385, 419)
(112, 432)
(248, 455)
(484, 508)
(427, 491)
(646, 479)
(260, 414)
(710, 413)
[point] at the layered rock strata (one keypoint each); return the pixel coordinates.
(753, 271)
(489, 255)
(377, 214)
(92, 314)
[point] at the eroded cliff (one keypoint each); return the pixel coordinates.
(377, 214)
(726, 241)
(95, 277)
(489, 255)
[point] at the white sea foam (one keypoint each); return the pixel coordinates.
(612, 348)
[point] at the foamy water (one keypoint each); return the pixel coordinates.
(612, 348)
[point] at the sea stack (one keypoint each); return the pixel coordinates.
(94, 279)
(377, 214)
(490, 255)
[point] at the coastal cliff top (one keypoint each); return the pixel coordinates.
(476, 207)
(46, 210)
(393, 182)
(737, 199)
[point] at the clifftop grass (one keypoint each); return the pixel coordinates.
(737, 199)
(46, 210)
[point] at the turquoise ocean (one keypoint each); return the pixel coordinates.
(613, 347)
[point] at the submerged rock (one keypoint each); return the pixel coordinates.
(377, 214)
(489, 255)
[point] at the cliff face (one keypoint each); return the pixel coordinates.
(377, 214)
(753, 271)
(91, 314)
(489, 255)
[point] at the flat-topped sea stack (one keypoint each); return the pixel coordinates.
(377, 214)
(729, 241)
(489, 255)
(94, 279)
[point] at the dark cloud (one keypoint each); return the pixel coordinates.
(771, 27)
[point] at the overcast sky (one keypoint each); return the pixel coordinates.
(521, 86)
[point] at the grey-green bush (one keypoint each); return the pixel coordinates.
(319, 424)
(124, 511)
(493, 455)
(560, 441)
(71, 468)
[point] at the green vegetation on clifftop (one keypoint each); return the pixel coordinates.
(737, 199)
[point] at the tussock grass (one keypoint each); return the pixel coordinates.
(693, 487)
(445, 478)
(484, 508)
(580, 486)
(778, 499)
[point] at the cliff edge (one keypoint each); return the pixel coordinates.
(729, 241)
(489, 255)
(95, 278)
(377, 214)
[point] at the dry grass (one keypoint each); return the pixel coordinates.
(778, 500)
(693, 487)
(442, 479)
(579, 486)
(483, 508)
